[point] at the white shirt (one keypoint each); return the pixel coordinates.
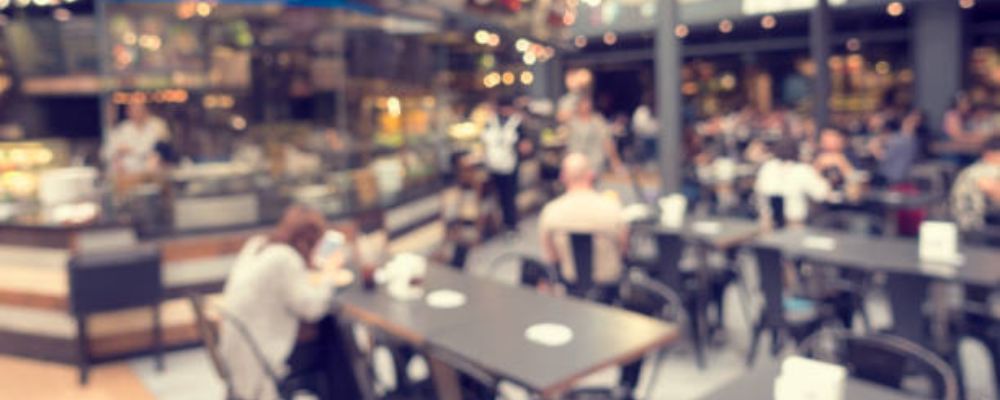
(643, 122)
(795, 182)
(500, 142)
(138, 142)
(268, 290)
(585, 212)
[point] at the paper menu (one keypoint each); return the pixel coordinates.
(939, 242)
(672, 210)
(803, 378)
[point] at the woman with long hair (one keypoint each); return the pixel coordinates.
(270, 290)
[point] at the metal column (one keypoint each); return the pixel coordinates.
(820, 29)
(668, 97)
(938, 57)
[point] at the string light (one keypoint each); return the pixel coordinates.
(682, 31)
(966, 4)
(895, 9)
(527, 77)
(62, 15)
(768, 22)
(580, 41)
(508, 78)
(610, 38)
(725, 26)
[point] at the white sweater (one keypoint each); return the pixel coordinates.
(268, 290)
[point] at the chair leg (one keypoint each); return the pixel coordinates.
(776, 340)
(83, 348)
(697, 335)
(754, 340)
(158, 338)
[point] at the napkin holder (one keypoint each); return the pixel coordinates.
(938, 243)
(403, 276)
(672, 210)
(803, 378)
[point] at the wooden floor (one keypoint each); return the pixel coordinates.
(22, 378)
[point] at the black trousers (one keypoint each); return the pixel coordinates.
(506, 189)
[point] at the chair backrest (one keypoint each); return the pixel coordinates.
(669, 249)
(886, 360)
(582, 250)
(906, 294)
(210, 338)
(771, 276)
(531, 271)
(645, 296)
(114, 279)
(777, 206)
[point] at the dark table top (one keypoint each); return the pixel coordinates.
(489, 330)
(720, 232)
(981, 265)
(759, 385)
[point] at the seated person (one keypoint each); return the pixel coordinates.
(789, 182)
(896, 153)
(833, 161)
(976, 193)
(269, 291)
(583, 210)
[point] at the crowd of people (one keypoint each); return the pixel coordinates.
(784, 162)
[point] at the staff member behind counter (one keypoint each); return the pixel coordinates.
(138, 145)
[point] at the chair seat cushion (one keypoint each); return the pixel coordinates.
(798, 309)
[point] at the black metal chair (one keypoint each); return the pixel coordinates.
(977, 320)
(799, 324)
(582, 247)
(694, 298)
(887, 360)
(287, 386)
(210, 339)
(645, 296)
(531, 272)
(111, 280)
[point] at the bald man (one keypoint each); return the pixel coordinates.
(583, 210)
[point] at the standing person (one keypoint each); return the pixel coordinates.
(646, 127)
(956, 119)
(975, 197)
(897, 152)
(271, 288)
(504, 144)
(131, 148)
(785, 185)
(590, 135)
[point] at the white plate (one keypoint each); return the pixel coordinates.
(549, 334)
(445, 298)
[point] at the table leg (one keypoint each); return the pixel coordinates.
(446, 383)
(359, 363)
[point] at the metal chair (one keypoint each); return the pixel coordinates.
(670, 248)
(775, 316)
(111, 280)
(531, 271)
(643, 295)
(884, 359)
(210, 339)
(977, 320)
(286, 386)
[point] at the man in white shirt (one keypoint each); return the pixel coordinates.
(793, 182)
(130, 148)
(503, 145)
(583, 210)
